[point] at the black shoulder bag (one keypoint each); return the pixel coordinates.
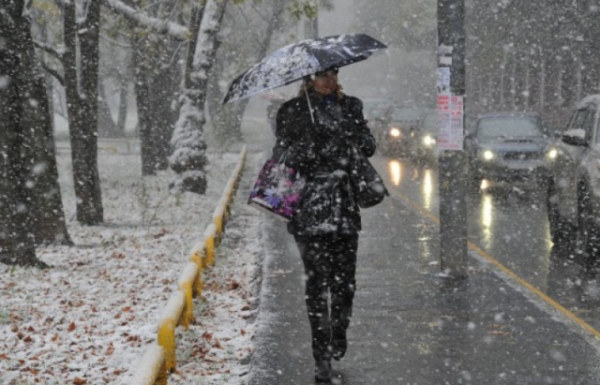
(369, 189)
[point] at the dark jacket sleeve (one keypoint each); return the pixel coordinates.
(293, 143)
(357, 130)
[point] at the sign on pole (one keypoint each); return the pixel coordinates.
(450, 109)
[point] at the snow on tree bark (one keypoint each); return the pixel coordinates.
(158, 25)
(189, 156)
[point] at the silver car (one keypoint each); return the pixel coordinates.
(574, 188)
(510, 147)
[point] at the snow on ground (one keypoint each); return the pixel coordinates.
(89, 319)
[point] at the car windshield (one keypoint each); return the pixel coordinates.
(489, 128)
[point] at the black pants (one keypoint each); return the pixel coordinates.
(330, 266)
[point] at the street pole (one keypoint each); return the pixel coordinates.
(452, 162)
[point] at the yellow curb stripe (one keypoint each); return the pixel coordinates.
(584, 325)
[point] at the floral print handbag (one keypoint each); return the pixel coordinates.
(278, 189)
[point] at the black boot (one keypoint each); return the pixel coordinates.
(338, 343)
(323, 372)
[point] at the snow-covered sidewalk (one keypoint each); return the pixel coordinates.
(89, 318)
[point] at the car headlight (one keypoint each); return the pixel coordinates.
(552, 154)
(428, 140)
(488, 155)
(395, 132)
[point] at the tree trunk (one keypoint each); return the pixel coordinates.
(83, 110)
(164, 91)
(189, 158)
(158, 75)
(142, 95)
(23, 103)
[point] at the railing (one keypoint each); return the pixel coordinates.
(159, 359)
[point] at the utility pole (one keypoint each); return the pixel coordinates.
(452, 162)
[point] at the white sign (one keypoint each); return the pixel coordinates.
(451, 117)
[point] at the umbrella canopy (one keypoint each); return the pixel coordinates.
(295, 61)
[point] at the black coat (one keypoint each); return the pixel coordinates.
(322, 153)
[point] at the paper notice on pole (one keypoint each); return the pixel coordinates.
(451, 119)
(450, 110)
(443, 111)
(443, 80)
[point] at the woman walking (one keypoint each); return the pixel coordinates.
(317, 133)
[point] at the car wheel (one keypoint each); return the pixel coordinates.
(588, 242)
(561, 232)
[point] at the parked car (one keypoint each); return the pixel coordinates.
(574, 189)
(510, 147)
(375, 108)
(396, 133)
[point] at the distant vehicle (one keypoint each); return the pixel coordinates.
(397, 132)
(375, 108)
(427, 134)
(574, 187)
(509, 147)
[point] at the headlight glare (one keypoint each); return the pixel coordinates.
(395, 132)
(488, 155)
(428, 140)
(552, 154)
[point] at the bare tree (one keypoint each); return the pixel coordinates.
(158, 77)
(24, 129)
(82, 101)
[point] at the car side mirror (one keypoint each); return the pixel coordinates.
(575, 138)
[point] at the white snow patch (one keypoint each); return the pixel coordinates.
(96, 311)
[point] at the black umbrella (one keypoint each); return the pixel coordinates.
(295, 61)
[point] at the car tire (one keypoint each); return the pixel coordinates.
(561, 232)
(588, 238)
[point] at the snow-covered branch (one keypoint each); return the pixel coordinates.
(54, 73)
(46, 48)
(158, 25)
(114, 42)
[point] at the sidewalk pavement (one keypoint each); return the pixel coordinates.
(411, 327)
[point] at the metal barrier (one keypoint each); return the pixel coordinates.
(160, 359)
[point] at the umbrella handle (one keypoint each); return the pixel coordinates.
(309, 106)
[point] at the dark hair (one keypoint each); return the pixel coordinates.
(334, 69)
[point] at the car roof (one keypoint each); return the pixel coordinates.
(591, 99)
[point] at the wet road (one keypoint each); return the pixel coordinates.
(411, 327)
(509, 225)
